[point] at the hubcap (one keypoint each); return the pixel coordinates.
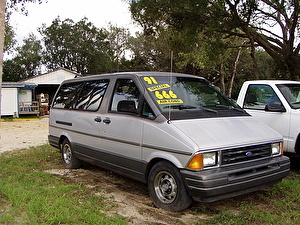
(67, 154)
(165, 187)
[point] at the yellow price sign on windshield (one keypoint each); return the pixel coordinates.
(169, 101)
(150, 80)
(165, 94)
(158, 87)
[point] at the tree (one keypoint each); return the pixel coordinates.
(9, 40)
(79, 47)
(118, 39)
(151, 52)
(253, 20)
(26, 63)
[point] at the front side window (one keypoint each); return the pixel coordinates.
(260, 95)
(187, 97)
(126, 97)
(291, 92)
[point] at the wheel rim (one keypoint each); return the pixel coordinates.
(165, 187)
(67, 153)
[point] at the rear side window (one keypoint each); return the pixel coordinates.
(66, 96)
(91, 95)
(81, 95)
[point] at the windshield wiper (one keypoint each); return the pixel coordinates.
(225, 107)
(218, 106)
(238, 109)
(180, 107)
(209, 110)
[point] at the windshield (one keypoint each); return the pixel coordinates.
(186, 97)
(291, 92)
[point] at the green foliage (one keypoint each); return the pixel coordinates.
(250, 21)
(119, 43)
(79, 46)
(26, 63)
(19, 5)
(204, 38)
(9, 40)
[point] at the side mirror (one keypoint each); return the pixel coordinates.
(275, 108)
(127, 106)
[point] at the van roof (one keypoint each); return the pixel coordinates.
(136, 73)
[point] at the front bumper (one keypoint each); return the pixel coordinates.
(233, 180)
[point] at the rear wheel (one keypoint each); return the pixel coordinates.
(166, 188)
(68, 157)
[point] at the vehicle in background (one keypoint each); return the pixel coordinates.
(277, 104)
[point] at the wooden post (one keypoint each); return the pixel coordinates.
(2, 30)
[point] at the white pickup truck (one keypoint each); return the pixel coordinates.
(277, 104)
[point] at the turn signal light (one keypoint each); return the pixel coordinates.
(196, 162)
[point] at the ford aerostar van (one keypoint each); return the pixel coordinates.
(176, 132)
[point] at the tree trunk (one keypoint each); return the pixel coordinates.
(222, 77)
(2, 30)
(234, 72)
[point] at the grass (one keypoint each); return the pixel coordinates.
(29, 195)
(279, 204)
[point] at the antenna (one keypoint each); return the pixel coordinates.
(171, 80)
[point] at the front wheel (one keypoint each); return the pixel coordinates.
(167, 189)
(68, 157)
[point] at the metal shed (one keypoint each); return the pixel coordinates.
(24, 97)
(17, 99)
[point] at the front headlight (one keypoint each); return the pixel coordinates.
(209, 159)
(277, 148)
(202, 160)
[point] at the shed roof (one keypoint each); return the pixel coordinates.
(55, 77)
(22, 85)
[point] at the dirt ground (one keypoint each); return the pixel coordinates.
(23, 134)
(130, 197)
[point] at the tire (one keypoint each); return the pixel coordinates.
(166, 188)
(68, 158)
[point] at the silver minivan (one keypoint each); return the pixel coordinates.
(176, 132)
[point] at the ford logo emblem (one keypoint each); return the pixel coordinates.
(249, 153)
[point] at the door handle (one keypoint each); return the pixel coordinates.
(107, 120)
(98, 119)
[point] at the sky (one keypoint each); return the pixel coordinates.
(99, 12)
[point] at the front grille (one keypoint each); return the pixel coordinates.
(245, 153)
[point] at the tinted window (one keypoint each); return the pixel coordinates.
(66, 96)
(81, 95)
(91, 95)
(260, 95)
